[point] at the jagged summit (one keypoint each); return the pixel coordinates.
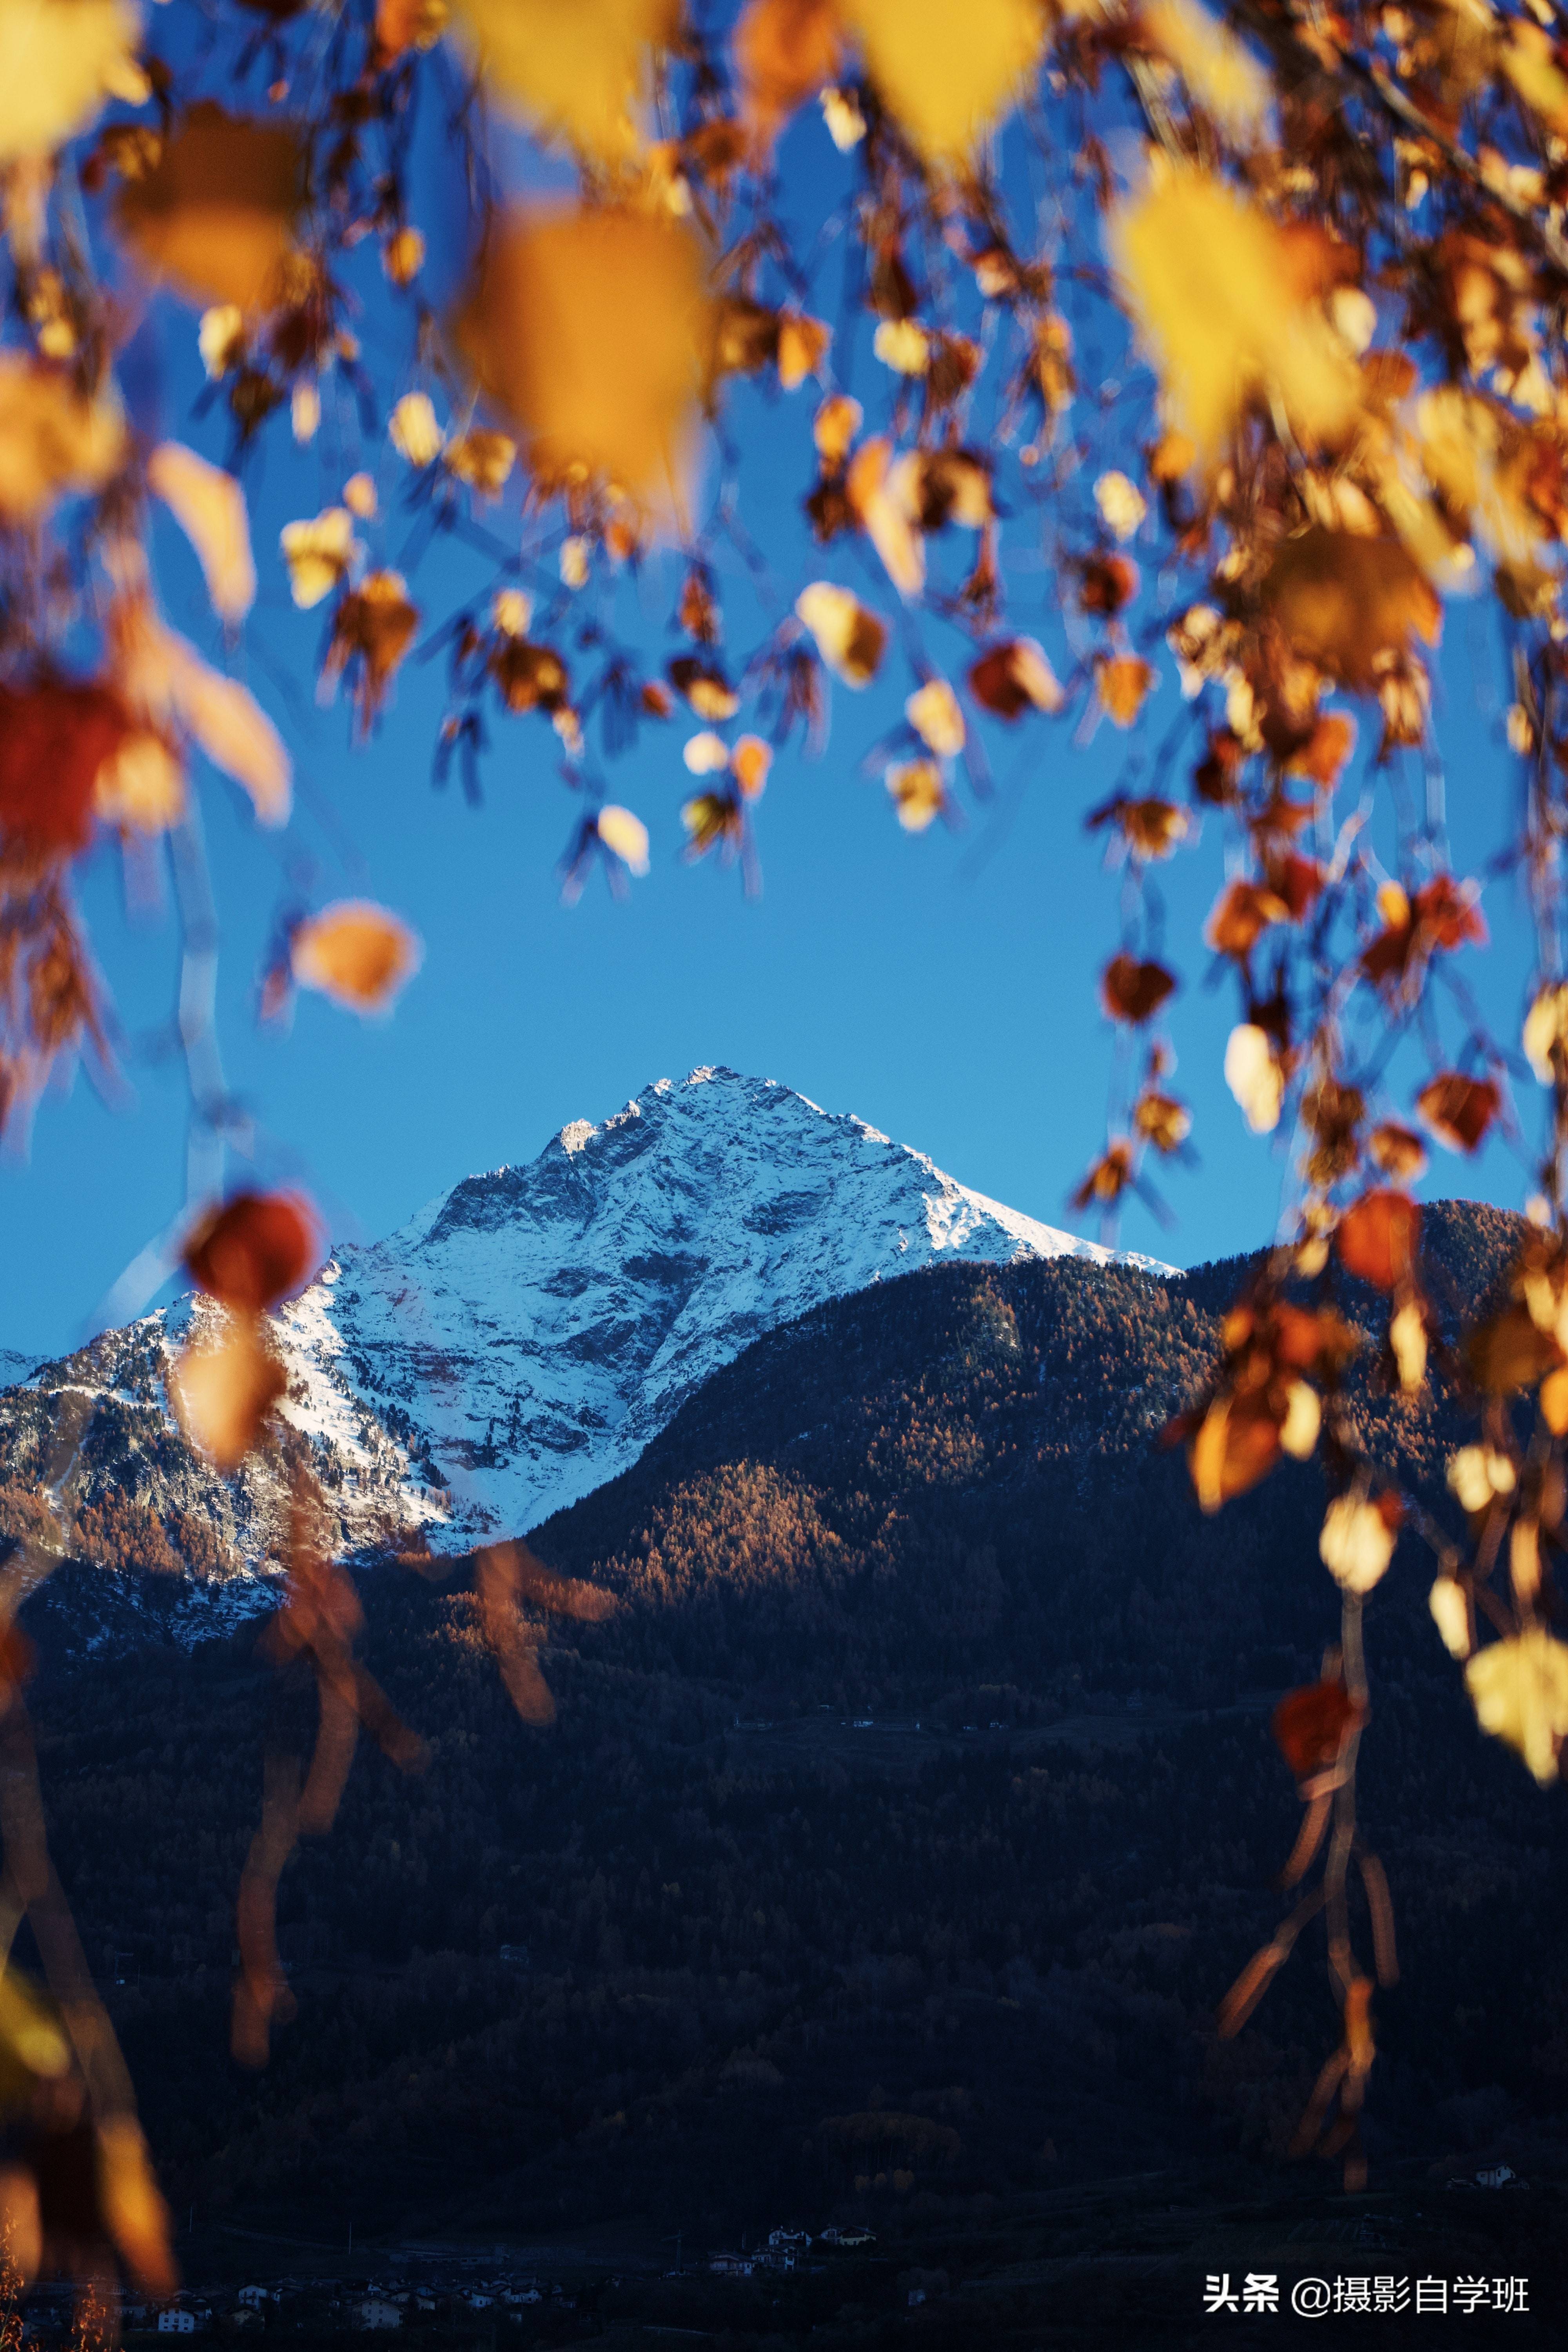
(521, 1339)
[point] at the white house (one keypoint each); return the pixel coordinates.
(372, 2312)
(176, 2323)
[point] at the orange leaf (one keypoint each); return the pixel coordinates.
(1377, 1238)
(1124, 681)
(215, 215)
(356, 953)
(590, 328)
(209, 507)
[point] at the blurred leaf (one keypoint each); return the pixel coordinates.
(1377, 1239)
(356, 953)
(215, 215)
(589, 328)
(255, 1251)
(574, 72)
(1519, 1688)
(949, 69)
(209, 507)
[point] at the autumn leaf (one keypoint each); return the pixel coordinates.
(255, 1251)
(1239, 917)
(918, 790)
(209, 507)
(222, 1389)
(1519, 1688)
(624, 835)
(1255, 1076)
(933, 710)
(372, 629)
(1208, 280)
(215, 215)
(850, 639)
(134, 2210)
(53, 443)
(750, 763)
(356, 953)
(414, 431)
(949, 69)
(1015, 676)
(1223, 76)
(589, 329)
(1163, 1121)
(575, 73)
(1509, 1350)
(1237, 1444)
(1310, 1727)
(803, 346)
(1134, 991)
(1457, 1109)
(785, 52)
(319, 553)
(884, 496)
(56, 740)
(163, 675)
(59, 59)
(1124, 681)
(1377, 1238)
(1348, 603)
(1357, 1539)
(141, 787)
(484, 460)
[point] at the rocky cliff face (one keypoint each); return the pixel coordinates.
(518, 1342)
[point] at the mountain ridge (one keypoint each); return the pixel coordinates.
(516, 1342)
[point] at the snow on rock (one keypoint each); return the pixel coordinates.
(522, 1338)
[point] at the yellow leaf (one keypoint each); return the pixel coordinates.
(884, 492)
(414, 431)
(165, 679)
(1546, 1030)
(215, 215)
(624, 835)
(574, 68)
(1451, 1614)
(356, 953)
(934, 713)
(141, 788)
(481, 459)
(590, 328)
(1253, 1073)
(359, 496)
(220, 338)
(1356, 1543)
(706, 754)
(850, 639)
(1518, 1689)
(803, 346)
(209, 507)
(52, 442)
(1124, 681)
(834, 427)
(319, 553)
(1212, 286)
(402, 257)
(1224, 77)
(223, 1388)
(1122, 503)
(58, 61)
(902, 346)
(949, 69)
(919, 793)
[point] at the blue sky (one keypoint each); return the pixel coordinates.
(942, 987)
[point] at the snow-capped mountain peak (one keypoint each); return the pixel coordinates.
(520, 1339)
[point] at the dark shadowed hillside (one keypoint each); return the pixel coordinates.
(897, 1836)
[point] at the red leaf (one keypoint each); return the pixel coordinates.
(259, 1248)
(1312, 1724)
